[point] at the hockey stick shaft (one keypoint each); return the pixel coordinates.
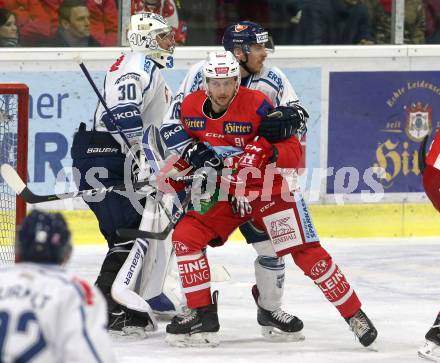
(14, 181)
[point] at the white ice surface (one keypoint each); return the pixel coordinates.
(397, 281)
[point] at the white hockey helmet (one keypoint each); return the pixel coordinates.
(144, 28)
(221, 65)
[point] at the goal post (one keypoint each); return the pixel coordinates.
(14, 111)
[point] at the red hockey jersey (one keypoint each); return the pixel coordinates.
(229, 134)
(433, 157)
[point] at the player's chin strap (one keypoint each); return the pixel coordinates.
(244, 64)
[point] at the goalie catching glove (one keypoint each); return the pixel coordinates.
(283, 122)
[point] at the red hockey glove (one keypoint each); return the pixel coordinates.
(257, 154)
(174, 168)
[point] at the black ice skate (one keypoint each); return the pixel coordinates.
(431, 348)
(130, 323)
(197, 327)
(363, 328)
(277, 324)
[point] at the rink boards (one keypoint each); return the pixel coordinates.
(331, 221)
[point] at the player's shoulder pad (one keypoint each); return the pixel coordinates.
(85, 290)
(193, 97)
(256, 99)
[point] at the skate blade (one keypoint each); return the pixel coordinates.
(129, 333)
(277, 335)
(374, 347)
(426, 352)
(194, 340)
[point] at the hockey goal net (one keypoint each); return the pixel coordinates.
(14, 104)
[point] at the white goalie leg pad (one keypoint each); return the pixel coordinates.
(125, 290)
(430, 351)
(269, 276)
(160, 281)
(193, 340)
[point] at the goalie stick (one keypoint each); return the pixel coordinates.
(14, 181)
(130, 233)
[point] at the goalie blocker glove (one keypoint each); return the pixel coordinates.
(283, 122)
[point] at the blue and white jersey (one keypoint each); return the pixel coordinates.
(136, 93)
(271, 81)
(48, 316)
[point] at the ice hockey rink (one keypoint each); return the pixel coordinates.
(396, 279)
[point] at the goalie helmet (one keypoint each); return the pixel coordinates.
(142, 36)
(43, 238)
(221, 65)
(245, 33)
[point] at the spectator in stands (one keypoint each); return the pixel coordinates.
(104, 21)
(166, 8)
(334, 22)
(74, 26)
(32, 20)
(375, 11)
(414, 27)
(432, 17)
(38, 20)
(8, 29)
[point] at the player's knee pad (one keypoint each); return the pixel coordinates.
(269, 276)
(253, 234)
(190, 236)
(110, 267)
(264, 248)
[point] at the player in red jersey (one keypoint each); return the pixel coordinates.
(431, 183)
(224, 124)
(431, 173)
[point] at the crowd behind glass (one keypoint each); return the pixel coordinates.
(96, 23)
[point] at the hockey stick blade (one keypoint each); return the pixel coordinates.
(12, 178)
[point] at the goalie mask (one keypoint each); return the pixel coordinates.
(245, 33)
(221, 65)
(148, 31)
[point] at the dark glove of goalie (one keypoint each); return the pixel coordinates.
(198, 155)
(283, 122)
